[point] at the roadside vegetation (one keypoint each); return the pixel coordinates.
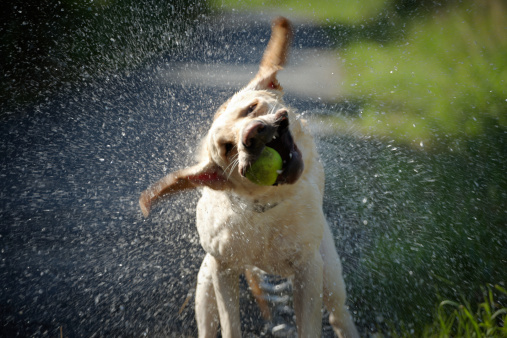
(442, 83)
(462, 319)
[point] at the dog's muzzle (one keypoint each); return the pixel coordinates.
(259, 133)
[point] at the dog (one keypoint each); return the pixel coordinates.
(279, 229)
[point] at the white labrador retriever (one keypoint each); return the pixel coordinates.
(280, 229)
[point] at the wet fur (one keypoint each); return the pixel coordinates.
(279, 229)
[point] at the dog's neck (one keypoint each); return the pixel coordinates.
(241, 204)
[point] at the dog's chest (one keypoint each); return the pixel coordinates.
(254, 234)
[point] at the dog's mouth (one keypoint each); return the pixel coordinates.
(284, 144)
(278, 137)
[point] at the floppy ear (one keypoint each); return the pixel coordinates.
(203, 174)
(275, 56)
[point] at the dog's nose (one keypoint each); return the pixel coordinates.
(281, 114)
(253, 133)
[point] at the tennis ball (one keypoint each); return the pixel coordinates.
(265, 170)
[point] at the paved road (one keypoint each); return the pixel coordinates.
(76, 254)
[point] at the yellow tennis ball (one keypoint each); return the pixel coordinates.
(265, 170)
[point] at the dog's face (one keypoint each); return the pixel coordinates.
(244, 125)
(253, 118)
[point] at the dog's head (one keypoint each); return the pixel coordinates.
(253, 118)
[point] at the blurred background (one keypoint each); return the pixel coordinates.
(99, 98)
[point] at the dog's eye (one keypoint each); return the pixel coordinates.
(228, 147)
(251, 108)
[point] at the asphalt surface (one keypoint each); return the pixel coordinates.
(76, 256)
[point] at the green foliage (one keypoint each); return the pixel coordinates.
(444, 81)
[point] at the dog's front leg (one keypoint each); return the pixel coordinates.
(206, 311)
(226, 284)
(308, 297)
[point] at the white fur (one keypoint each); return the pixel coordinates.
(278, 229)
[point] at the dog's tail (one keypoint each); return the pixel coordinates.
(253, 277)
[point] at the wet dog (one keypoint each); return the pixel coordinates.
(280, 229)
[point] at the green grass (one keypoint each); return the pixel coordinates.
(453, 319)
(445, 80)
(486, 319)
